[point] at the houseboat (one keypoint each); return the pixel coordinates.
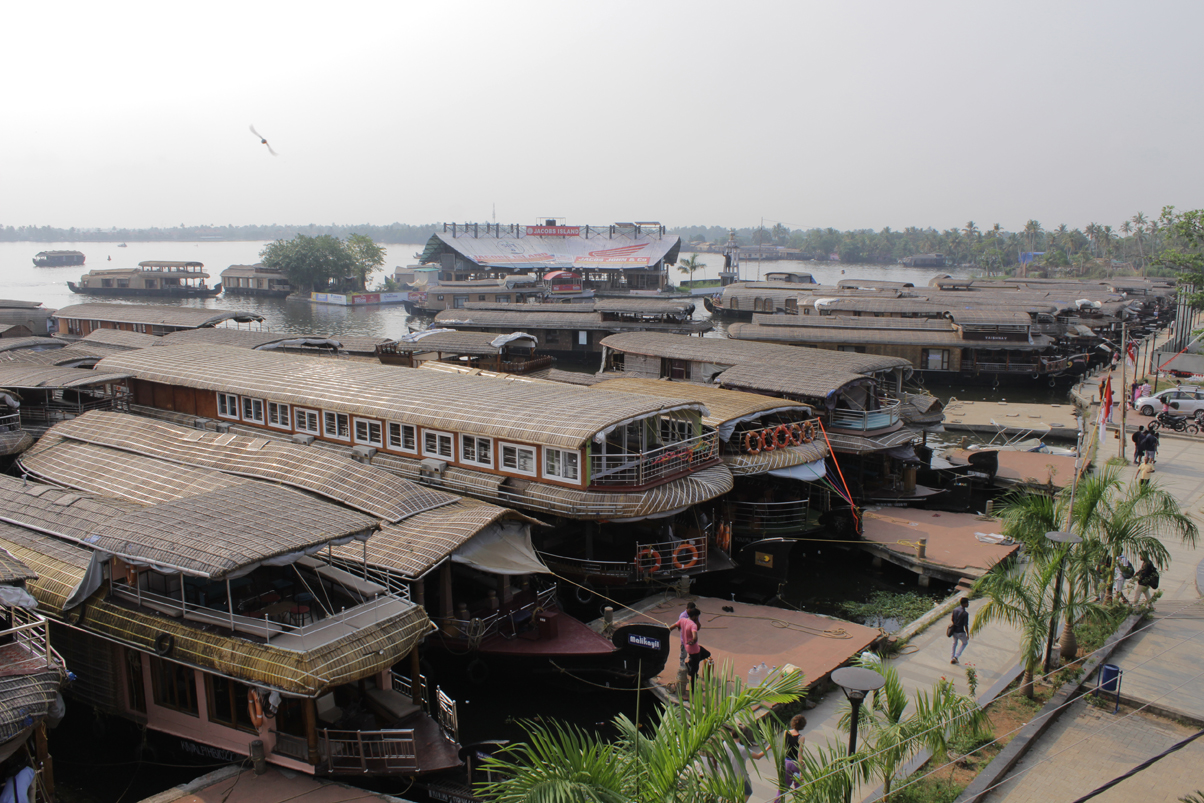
(857, 397)
(618, 257)
(154, 279)
(435, 294)
(471, 565)
(31, 675)
(255, 280)
(49, 394)
(30, 314)
(513, 353)
(966, 345)
(57, 259)
(575, 331)
(214, 621)
(924, 261)
(616, 471)
(80, 320)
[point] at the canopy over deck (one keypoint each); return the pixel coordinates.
(22, 376)
(158, 315)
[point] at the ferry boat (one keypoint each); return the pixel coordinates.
(630, 468)
(215, 620)
(255, 280)
(57, 259)
(157, 279)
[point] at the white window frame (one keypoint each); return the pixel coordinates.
(548, 451)
(282, 421)
(253, 410)
(475, 441)
(502, 447)
(401, 431)
(335, 435)
(451, 436)
(303, 425)
(223, 399)
(368, 422)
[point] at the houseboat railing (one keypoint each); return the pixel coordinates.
(887, 415)
(526, 366)
(504, 622)
(29, 631)
(616, 569)
(62, 410)
(1040, 366)
(295, 747)
(446, 713)
(383, 751)
(668, 557)
(641, 468)
(770, 517)
(10, 422)
(311, 633)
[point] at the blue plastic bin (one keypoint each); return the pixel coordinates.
(1109, 678)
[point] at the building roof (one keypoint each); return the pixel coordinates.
(600, 250)
(525, 412)
(318, 471)
(989, 317)
(725, 351)
(182, 317)
(252, 271)
(23, 376)
(32, 343)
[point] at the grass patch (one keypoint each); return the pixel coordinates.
(933, 789)
(1092, 633)
(902, 606)
(1117, 461)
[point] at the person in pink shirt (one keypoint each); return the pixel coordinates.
(695, 652)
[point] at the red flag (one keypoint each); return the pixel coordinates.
(1106, 401)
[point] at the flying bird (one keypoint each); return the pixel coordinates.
(263, 141)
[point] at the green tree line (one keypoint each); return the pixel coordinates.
(391, 233)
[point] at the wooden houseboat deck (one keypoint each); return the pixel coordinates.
(954, 549)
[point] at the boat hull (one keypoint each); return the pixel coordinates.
(180, 292)
(250, 291)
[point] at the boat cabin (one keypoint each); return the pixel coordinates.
(438, 294)
(255, 280)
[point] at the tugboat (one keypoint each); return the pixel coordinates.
(159, 279)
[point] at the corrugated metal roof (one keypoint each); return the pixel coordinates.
(599, 251)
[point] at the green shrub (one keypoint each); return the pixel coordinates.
(932, 789)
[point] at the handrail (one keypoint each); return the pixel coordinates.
(767, 517)
(887, 415)
(33, 633)
(392, 750)
(492, 623)
(641, 468)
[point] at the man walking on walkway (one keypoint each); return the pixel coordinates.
(959, 630)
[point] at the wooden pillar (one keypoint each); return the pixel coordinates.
(45, 761)
(311, 730)
(415, 672)
(445, 590)
(418, 593)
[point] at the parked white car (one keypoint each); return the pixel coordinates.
(1185, 401)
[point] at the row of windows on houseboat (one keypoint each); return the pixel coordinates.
(562, 465)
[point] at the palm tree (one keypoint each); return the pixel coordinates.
(690, 265)
(1139, 225)
(897, 728)
(680, 758)
(1021, 598)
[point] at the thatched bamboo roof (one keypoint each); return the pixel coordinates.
(318, 471)
(60, 565)
(181, 317)
(814, 385)
(121, 338)
(525, 412)
(644, 306)
(415, 546)
(256, 271)
(746, 465)
(205, 536)
(222, 336)
(526, 316)
(725, 351)
(470, 343)
(989, 317)
(26, 698)
(76, 355)
(859, 444)
(852, 322)
(724, 405)
(23, 376)
(30, 343)
(945, 336)
(14, 571)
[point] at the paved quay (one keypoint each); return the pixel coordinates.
(1012, 419)
(1162, 687)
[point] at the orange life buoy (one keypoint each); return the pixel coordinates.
(687, 547)
(796, 435)
(254, 708)
(652, 555)
(725, 536)
(808, 432)
(753, 442)
(781, 437)
(767, 440)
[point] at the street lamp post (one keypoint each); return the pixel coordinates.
(1069, 539)
(856, 683)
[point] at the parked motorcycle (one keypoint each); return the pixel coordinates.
(1176, 423)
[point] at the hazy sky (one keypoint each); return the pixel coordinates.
(844, 114)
